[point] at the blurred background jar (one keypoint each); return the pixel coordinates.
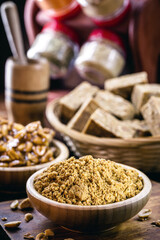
(105, 12)
(59, 9)
(101, 57)
(57, 43)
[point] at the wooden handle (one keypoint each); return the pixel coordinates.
(11, 23)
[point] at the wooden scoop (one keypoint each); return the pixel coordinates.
(11, 23)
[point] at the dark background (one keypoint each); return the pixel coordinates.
(5, 51)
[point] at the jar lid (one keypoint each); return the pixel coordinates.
(115, 19)
(105, 34)
(59, 27)
(64, 14)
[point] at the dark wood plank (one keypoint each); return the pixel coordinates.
(132, 229)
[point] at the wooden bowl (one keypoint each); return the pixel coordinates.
(14, 178)
(89, 218)
(142, 153)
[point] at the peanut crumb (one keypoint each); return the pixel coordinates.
(82, 182)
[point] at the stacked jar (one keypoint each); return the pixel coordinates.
(59, 9)
(101, 57)
(59, 44)
(105, 12)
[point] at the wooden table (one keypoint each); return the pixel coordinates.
(131, 229)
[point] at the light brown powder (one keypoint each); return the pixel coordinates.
(88, 181)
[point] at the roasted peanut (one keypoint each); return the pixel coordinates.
(4, 130)
(41, 236)
(28, 217)
(13, 224)
(25, 204)
(20, 134)
(144, 214)
(24, 146)
(12, 154)
(2, 147)
(29, 146)
(156, 223)
(16, 163)
(47, 156)
(49, 233)
(17, 126)
(38, 140)
(40, 150)
(28, 236)
(29, 163)
(31, 127)
(32, 158)
(4, 164)
(5, 158)
(14, 205)
(21, 147)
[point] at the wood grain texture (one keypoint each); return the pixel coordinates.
(142, 153)
(26, 89)
(131, 229)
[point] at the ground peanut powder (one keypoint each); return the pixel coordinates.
(88, 181)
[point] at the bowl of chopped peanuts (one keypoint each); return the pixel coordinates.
(24, 150)
(88, 194)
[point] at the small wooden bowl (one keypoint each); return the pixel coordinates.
(89, 218)
(15, 178)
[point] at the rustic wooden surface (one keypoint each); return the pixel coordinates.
(132, 229)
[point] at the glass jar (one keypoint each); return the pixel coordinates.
(105, 12)
(101, 57)
(59, 9)
(57, 43)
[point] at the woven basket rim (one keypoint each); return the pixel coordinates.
(93, 140)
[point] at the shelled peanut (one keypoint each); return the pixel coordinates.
(25, 145)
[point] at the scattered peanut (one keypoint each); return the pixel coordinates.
(13, 224)
(14, 205)
(4, 218)
(156, 223)
(41, 236)
(25, 204)
(49, 233)
(28, 236)
(28, 217)
(144, 214)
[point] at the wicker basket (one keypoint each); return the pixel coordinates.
(142, 153)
